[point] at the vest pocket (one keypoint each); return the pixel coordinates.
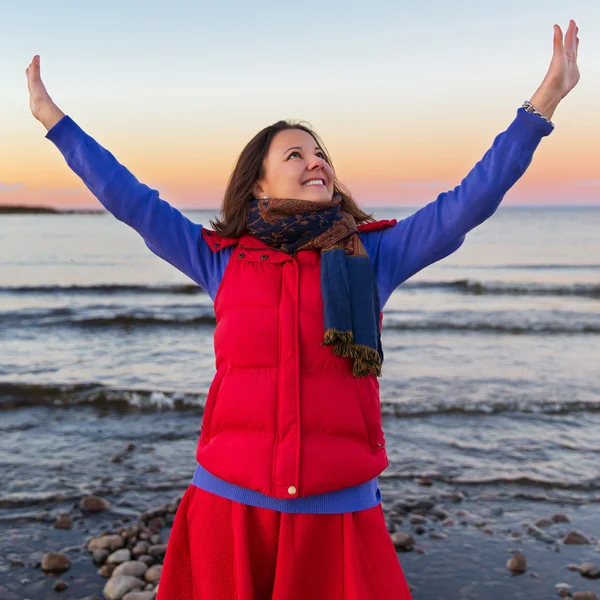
(368, 401)
(209, 405)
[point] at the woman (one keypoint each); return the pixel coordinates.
(284, 502)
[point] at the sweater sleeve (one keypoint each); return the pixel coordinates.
(439, 228)
(166, 232)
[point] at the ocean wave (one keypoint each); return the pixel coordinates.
(102, 289)
(111, 316)
(510, 322)
(20, 395)
(489, 326)
(479, 288)
(532, 267)
(465, 286)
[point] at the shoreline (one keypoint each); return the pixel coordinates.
(450, 546)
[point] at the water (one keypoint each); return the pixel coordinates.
(491, 379)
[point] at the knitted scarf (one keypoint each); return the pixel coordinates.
(348, 288)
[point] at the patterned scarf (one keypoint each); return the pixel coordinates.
(348, 288)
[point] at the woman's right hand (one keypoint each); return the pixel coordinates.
(41, 105)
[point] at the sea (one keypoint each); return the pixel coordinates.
(491, 379)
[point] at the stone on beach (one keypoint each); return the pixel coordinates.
(403, 541)
(589, 570)
(585, 596)
(106, 542)
(134, 568)
(157, 550)
(153, 574)
(119, 556)
(576, 537)
(543, 522)
(63, 521)
(563, 590)
(60, 585)
(560, 518)
(93, 504)
(117, 587)
(140, 595)
(517, 563)
(55, 562)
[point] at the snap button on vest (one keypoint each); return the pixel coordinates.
(291, 490)
(241, 255)
(217, 245)
(264, 256)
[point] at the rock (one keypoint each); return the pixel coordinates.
(99, 556)
(537, 533)
(140, 548)
(517, 563)
(135, 568)
(140, 596)
(55, 562)
(110, 542)
(16, 563)
(584, 596)
(404, 542)
(576, 537)
(63, 521)
(437, 535)
(419, 530)
(119, 556)
(563, 590)
(544, 522)
(117, 587)
(154, 539)
(93, 504)
(424, 481)
(449, 522)
(106, 570)
(573, 567)
(157, 550)
(60, 585)
(438, 512)
(130, 447)
(589, 570)
(153, 574)
(417, 520)
(146, 559)
(560, 518)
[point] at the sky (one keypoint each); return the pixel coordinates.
(407, 96)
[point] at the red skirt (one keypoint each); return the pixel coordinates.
(224, 550)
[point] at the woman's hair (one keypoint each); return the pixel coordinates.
(250, 168)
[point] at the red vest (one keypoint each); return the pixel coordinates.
(284, 416)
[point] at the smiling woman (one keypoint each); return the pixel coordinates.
(284, 503)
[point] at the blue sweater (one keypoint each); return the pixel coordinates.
(397, 253)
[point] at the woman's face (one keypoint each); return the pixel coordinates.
(293, 161)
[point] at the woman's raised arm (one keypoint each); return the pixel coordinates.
(438, 229)
(165, 230)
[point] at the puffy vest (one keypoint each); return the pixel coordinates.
(284, 416)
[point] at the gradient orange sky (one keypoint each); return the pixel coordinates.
(407, 99)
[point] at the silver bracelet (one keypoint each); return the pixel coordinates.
(532, 109)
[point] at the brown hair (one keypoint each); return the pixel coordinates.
(249, 169)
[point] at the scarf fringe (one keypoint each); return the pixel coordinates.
(365, 360)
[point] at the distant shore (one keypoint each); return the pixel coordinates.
(15, 209)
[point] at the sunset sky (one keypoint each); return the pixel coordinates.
(407, 96)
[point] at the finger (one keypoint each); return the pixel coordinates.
(570, 36)
(558, 40)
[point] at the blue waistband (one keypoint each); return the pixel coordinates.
(352, 499)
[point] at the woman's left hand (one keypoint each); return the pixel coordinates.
(563, 73)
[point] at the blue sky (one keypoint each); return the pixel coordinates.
(402, 93)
